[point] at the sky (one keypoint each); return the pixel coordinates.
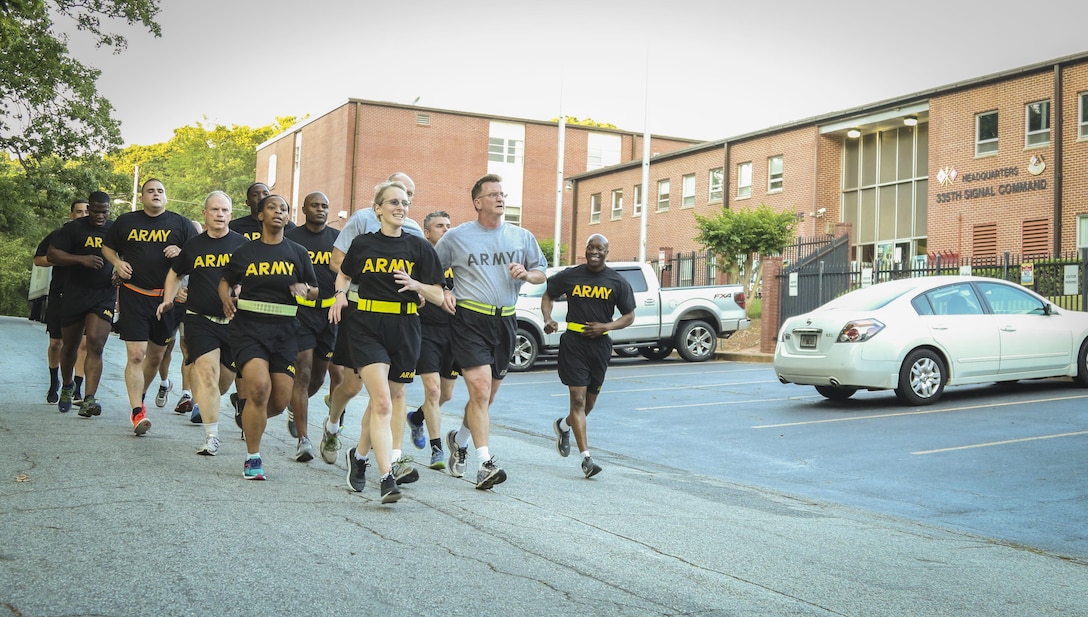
(699, 69)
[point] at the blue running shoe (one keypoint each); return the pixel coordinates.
(419, 440)
(64, 404)
(253, 469)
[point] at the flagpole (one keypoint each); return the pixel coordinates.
(556, 250)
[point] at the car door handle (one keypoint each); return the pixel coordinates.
(1008, 329)
(650, 302)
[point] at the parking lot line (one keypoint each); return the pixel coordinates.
(1000, 443)
(710, 404)
(921, 412)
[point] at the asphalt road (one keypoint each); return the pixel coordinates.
(96, 521)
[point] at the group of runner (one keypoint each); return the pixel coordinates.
(274, 307)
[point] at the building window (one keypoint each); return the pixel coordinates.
(503, 150)
(272, 160)
(1082, 232)
(774, 174)
(1082, 116)
(512, 215)
(595, 208)
(617, 204)
(1038, 123)
(986, 133)
(744, 180)
(602, 150)
(662, 195)
(716, 184)
(687, 186)
(638, 200)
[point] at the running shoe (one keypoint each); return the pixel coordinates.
(304, 452)
(140, 422)
(458, 454)
(562, 439)
(330, 444)
(185, 405)
(90, 407)
(589, 467)
(489, 475)
(390, 492)
(164, 389)
(210, 447)
(419, 440)
(64, 403)
(253, 470)
(77, 396)
(291, 428)
(356, 472)
(438, 458)
(195, 417)
(403, 471)
(52, 395)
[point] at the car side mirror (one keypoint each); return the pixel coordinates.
(1047, 308)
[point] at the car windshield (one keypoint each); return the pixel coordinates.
(532, 290)
(868, 298)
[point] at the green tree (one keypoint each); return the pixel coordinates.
(736, 237)
(586, 122)
(49, 102)
(548, 246)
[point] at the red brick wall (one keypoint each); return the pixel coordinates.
(1075, 157)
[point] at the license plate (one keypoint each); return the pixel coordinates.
(808, 341)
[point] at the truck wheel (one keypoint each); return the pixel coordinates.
(525, 351)
(626, 352)
(656, 352)
(696, 341)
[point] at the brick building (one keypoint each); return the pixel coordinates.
(977, 168)
(348, 150)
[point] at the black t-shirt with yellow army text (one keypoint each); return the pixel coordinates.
(140, 239)
(203, 259)
(433, 314)
(372, 258)
(56, 280)
(319, 246)
(251, 228)
(267, 271)
(80, 237)
(592, 296)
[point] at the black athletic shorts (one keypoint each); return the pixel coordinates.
(483, 340)
(369, 338)
(271, 338)
(52, 315)
(583, 361)
(203, 335)
(315, 332)
(138, 321)
(436, 352)
(78, 303)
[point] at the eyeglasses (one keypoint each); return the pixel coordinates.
(495, 195)
(397, 202)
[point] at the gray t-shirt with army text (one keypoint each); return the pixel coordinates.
(481, 257)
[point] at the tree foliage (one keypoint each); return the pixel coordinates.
(49, 102)
(737, 236)
(200, 159)
(586, 122)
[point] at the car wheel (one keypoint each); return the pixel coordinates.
(656, 352)
(1081, 378)
(836, 393)
(626, 352)
(921, 378)
(696, 341)
(526, 349)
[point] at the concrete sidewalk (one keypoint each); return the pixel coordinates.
(96, 521)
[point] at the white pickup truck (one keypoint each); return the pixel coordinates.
(688, 319)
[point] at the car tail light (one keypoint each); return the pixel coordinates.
(859, 331)
(738, 298)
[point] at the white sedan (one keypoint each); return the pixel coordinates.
(918, 335)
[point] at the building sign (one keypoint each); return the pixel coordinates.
(1072, 278)
(1027, 274)
(992, 182)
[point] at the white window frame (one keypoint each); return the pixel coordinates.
(617, 204)
(988, 145)
(512, 214)
(1082, 231)
(1082, 116)
(637, 206)
(595, 208)
(687, 191)
(1040, 134)
(716, 182)
(774, 180)
(505, 150)
(602, 150)
(744, 180)
(663, 189)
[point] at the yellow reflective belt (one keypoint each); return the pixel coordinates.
(325, 303)
(384, 306)
(486, 309)
(577, 327)
(268, 308)
(218, 320)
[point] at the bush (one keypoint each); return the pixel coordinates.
(16, 258)
(755, 308)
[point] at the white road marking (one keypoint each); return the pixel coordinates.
(1000, 443)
